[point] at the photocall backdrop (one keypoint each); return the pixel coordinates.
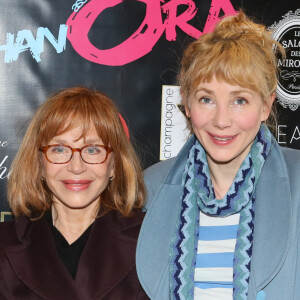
(130, 50)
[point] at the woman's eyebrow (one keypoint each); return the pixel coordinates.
(88, 141)
(241, 91)
(206, 90)
(211, 92)
(59, 141)
(93, 141)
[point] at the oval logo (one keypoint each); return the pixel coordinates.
(287, 33)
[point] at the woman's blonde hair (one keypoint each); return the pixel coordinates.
(28, 194)
(239, 52)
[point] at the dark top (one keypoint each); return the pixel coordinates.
(31, 269)
(68, 253)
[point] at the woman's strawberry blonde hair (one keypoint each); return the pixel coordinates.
(28, 194)
(239, 52)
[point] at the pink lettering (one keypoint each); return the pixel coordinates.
(181, 21)
(214, 12)
(146, 36)
(136, 46)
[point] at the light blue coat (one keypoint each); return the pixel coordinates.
(275, 263)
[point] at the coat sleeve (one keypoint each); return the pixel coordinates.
(292, 158)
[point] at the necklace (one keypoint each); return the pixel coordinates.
(218, 196)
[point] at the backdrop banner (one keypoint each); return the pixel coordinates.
(130, 50)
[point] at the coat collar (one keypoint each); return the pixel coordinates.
(38, 266)
(272, 220)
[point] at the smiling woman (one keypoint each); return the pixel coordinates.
(226, 209)
(225, 119)
(76, 191)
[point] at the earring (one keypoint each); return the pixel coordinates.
(111, 178)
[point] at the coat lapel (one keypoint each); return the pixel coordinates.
(272, 229)
(36, 262)
(109, 254)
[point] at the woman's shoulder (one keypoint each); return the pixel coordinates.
(155, 176)
(8, 235)
(159, 170)
(292, 160)
(7, 227)
(12, 231)
(291, 155)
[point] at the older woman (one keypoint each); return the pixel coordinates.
(76, 191)
(223, 216)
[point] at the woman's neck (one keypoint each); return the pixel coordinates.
(222, 175)
(72, 223)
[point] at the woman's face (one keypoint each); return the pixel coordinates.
(77, 184)
(226, 118)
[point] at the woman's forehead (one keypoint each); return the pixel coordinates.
(76, 132)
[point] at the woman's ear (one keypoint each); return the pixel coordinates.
(187, 110)
(186, 104)
(272, 98)
(42, 167)
(112, 168)
(268, 107)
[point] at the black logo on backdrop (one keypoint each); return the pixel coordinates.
(287, 33)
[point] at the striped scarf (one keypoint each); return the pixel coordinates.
(198, 194)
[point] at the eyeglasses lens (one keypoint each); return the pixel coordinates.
(90, 154)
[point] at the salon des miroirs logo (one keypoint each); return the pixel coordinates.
(287, 33)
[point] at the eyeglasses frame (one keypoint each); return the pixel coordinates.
(45, 149)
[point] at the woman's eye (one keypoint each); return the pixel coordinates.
(93, 150)
(58, 149)
(205, 100)
(240, 101)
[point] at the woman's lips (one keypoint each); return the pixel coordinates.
(76, 185)
(222, 140)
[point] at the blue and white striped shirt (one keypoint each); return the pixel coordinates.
(214, 263)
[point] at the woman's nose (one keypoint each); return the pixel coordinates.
(76, 165)
(222, 118)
